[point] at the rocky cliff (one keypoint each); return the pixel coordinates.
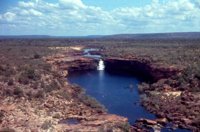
(142, 68)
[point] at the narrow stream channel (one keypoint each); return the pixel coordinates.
(117, 92)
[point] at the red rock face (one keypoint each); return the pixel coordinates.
(141, 68)
(72, 64)
(82, 64)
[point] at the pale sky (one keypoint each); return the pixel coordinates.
(97, 17)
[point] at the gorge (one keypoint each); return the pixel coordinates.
(116, 87)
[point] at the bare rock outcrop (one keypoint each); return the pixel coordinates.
(141, 67)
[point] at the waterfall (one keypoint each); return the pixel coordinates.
(101, 65)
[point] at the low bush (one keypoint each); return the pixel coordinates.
(7, 92)
(92, 102)
(10, 82)
(1, 116)
(54, 85)
(109, 127)
(31, 74)
(18, 92)
(36, 56)
(7, 70)
(23, 80)
(39, 94)
(65, 94)
(35, 85)
(46, 125)
(125, 127)
(27, 75)
(197, 122)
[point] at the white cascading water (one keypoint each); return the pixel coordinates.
(101, 65)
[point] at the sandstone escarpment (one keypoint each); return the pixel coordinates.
(140, 67)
